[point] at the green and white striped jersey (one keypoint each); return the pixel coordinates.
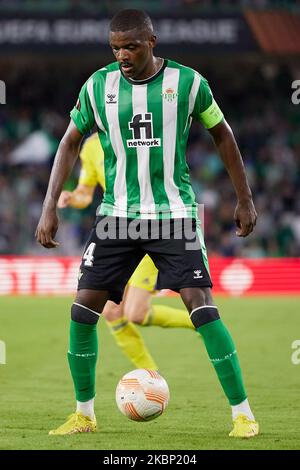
(143, 127)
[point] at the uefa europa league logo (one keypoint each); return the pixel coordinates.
(2, 92)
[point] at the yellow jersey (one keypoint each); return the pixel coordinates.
(92, 163)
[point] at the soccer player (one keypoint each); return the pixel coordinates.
(135, 307)
(143, 107)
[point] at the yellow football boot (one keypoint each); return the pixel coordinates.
(76, 423)
(244, 427)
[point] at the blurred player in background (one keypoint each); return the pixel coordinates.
(135, 307)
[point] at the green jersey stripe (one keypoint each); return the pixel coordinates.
(140, 108)
(110, 160)
(154, 98)
(181, 170)
(125, 116)
(170, 82)
(192, 99)
(90, 90)
(120, 193)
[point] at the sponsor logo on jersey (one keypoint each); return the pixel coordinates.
(143, 143)
(169, 94)
(141, 126)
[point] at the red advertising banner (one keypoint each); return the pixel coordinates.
(231, 276)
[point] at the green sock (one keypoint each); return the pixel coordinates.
(222, 353)
(82, 357)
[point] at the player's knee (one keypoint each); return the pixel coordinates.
(204, 314)
(193, 297)
(82, 314)
(93, 299)
(112, 311)
(208, 297)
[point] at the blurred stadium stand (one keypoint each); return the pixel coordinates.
(149, 5)
(252, 85)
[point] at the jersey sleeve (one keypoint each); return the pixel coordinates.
(88, 174)
(206, 110)
(82, 114)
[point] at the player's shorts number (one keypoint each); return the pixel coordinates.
(89, 254)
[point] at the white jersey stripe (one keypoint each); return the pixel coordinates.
(192, 97)
(171, 81)
(90, 90)
(112, 116)
(147, 204)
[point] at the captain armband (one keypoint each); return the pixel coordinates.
(211, 116)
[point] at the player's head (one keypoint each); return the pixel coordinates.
(132, 40)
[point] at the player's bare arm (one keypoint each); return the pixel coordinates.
(65, 158)
(245, 214)
(80, 198)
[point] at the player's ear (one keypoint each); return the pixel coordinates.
(152, 41)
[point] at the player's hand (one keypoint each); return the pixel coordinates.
(47, 228)
(245, 218)
(64, 199)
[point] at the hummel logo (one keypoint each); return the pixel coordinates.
(198, 274)
(110, 97)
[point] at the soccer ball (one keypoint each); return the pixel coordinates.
(142, 395)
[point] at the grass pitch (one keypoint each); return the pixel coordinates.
(37, 393)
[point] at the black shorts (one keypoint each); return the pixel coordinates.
(116, 245)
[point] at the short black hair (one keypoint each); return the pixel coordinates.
(128, 19)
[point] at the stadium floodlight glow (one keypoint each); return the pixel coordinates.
(2, 92)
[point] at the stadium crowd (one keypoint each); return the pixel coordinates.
(267, 130)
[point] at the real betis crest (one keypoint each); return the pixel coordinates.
(169, 94)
